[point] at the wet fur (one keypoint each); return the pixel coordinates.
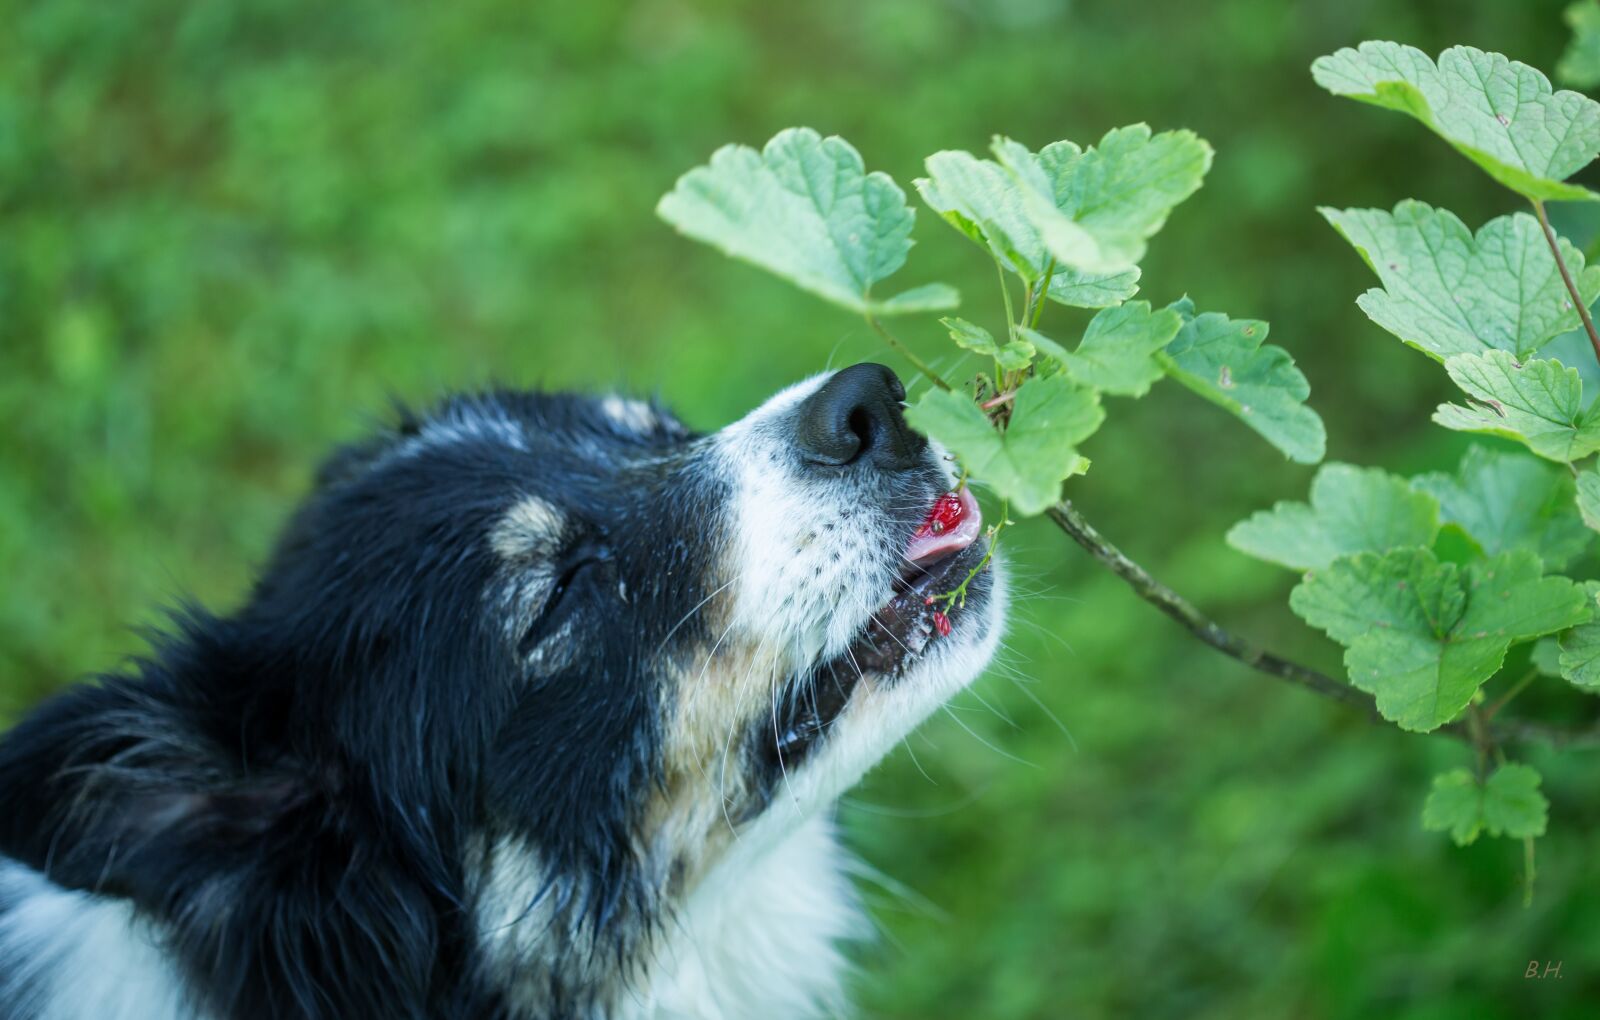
(392, 786)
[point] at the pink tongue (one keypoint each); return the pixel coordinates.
(954, 523)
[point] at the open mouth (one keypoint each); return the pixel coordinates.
(942, 555)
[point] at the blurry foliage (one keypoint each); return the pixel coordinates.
(229, 231)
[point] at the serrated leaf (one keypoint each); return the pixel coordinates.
(1512, 803)
(1045, 346)
(1026, 463)
(805, 209)
(1012, 356)
(1579, 658)
(1015, 356)
(1509, 500)
(1092, 290)
(1123, 189)
(1446, 291)
(1588, 496)
(1508, 804)
(1580, 64)
(1499, 113)
(1545, 657)
(1117, 352)
(1422, 636)
(1538, 403)
(1455, 805)
(931, 297)
(1352, 510)
(1226, 361)
(1574, 350)
(970, 336)
(978, 198)
(1096, 209)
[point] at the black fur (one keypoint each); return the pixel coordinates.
(292, 789)
(474, 634)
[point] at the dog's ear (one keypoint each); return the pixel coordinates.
(112, 787)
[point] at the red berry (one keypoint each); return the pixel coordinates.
(946, 514)
(941, 623)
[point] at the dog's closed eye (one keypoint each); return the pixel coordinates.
(581, 571)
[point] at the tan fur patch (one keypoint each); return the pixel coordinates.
(530, 528)
(717, 695)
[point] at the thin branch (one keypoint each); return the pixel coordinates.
(1483, 742)
(1566, 277)
(906, 352)
(1505, 699)
(1005, 292)
(1069, 520)
(1044, 292)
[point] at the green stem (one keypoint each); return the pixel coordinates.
(1482, 743)
(1528, 872)
(1068, 519)
(958, 595)
(905, 352)
(1566, 277)
(1005, 292)
(1505, 699)
(1044, 293)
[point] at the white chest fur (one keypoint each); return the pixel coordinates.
(69, 955)
(760, 937)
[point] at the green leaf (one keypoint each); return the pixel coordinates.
(930, 297)
(1225, 361)
(1499, 113)
(1579, 658)
(1011, 356)
(1092, 290)
(1446, 291)
(1015, 355)
(1117, 352)
(1588, 496)
(1545, 657)
(970, 336)
(1509, 804)
(1045, 346)
(1109, 200)
(1512, 803)
(1096, 209)
(1580, 64)
(1539, 404)
(1352, 510)
(1508, 500)
(1422, 636)
(1026, 463)
(804, 208)
(1455, 805)
(978, 198)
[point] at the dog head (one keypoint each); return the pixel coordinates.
(559, 652)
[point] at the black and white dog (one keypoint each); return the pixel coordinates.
(538, 710)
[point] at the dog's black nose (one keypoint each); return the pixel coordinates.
(856, 415)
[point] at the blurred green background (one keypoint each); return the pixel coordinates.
(230, 230)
